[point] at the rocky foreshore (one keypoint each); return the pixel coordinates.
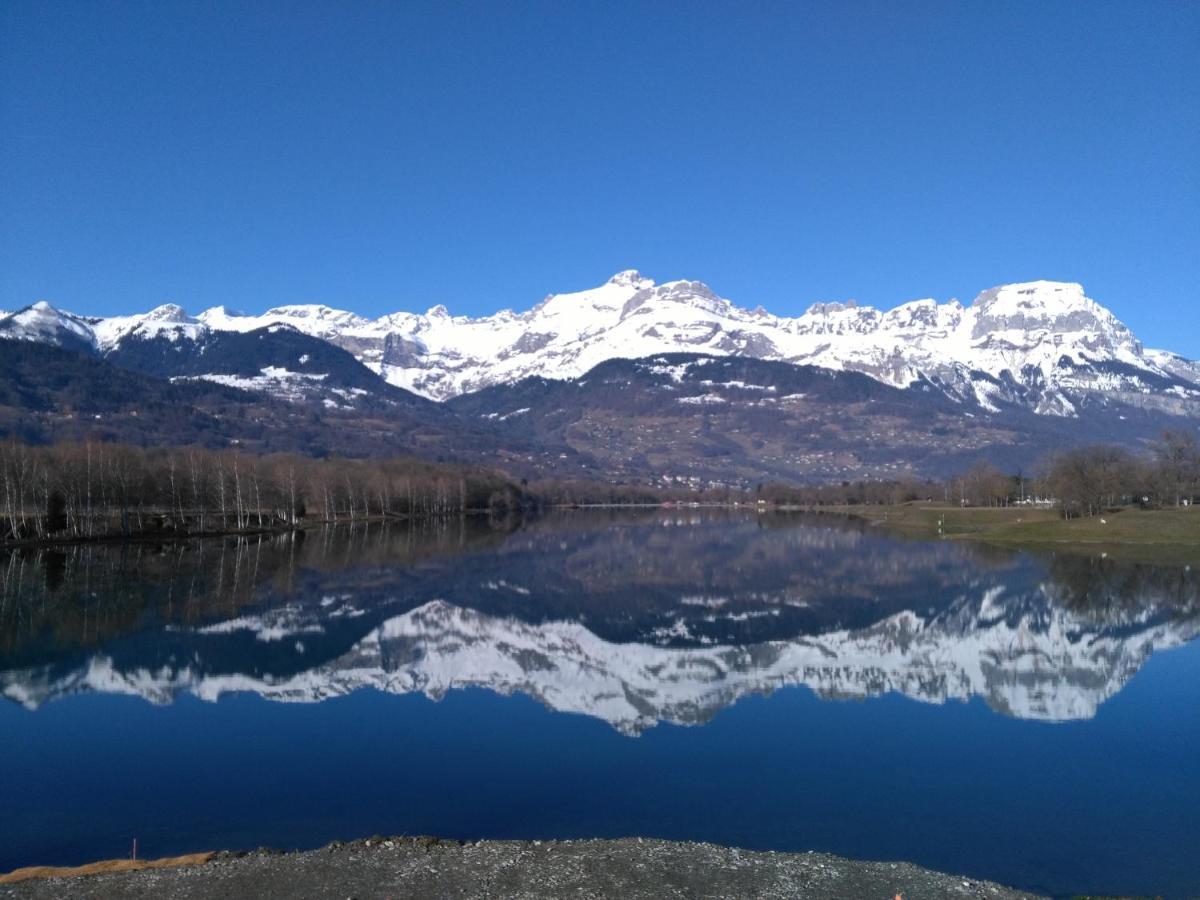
(429, 867)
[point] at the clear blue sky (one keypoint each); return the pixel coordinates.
(383, 156)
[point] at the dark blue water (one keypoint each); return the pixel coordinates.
(788, 685)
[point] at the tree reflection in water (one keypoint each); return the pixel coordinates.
(676, 614)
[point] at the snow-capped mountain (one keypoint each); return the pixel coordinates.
(1023, 659)
(167, 343)
(276, 359)
(1041, 345)
(168, 321)
(43, 324)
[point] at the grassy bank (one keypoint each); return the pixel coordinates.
(107, 867)
(1149, 535)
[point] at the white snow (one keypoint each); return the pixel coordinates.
(703, 399)
(1019, 331)
(274, 380)
(42, 323)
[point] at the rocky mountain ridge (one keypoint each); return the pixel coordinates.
(1042, 346)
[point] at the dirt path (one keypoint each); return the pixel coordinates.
(423, 867)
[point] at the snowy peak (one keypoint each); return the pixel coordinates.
(312, 312)
(43, 323)
(631, 278)
(219, 313)
(168, 321)
(169, 312)
(311, 318)
(1059, 311)
(596, 306)
(919, 316)
(1033, 296)
(830, 308)
(1043, 346)
(696, 295)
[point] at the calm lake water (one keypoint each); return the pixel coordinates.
(762, 681)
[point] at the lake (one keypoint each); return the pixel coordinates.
(766, 681)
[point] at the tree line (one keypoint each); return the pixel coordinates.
(1088, 480)
(88, 490)
(1083, 481)
(91, 489)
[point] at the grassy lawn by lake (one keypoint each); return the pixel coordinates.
(1157, 535)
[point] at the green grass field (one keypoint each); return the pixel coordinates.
(1149, 535)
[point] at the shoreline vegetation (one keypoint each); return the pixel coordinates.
(1165, 535)
(103, 867)
(1141, 535)
(95, 491)
(100, 492)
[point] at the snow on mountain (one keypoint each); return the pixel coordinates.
(318, 321)
(274, 380)
(44, 324)
(1179, 366)
(1026, 660)
(1042, 345)
(169, 321)
(275, 359)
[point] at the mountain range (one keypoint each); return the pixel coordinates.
(633, 378)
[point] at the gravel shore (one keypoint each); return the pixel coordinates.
(428, 867)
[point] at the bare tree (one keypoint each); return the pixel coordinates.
(1178, 466)
(1087, 480)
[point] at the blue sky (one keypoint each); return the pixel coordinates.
(383, 156)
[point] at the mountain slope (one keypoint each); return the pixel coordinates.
(276, 359)
(41, 323)
(634, 381)
(700, 420)
(50, 393)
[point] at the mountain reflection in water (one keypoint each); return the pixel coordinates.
(635, 619)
